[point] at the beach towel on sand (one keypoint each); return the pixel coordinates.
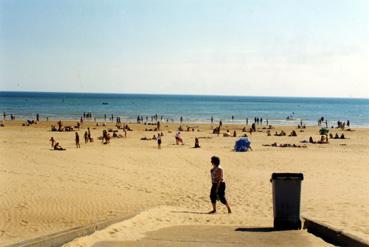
(242, 145)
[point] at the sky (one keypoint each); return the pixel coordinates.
(307, 48)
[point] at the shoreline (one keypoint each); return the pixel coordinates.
(91, 122)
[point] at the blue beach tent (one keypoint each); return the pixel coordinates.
(242, 145)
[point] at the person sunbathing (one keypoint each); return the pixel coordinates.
(146, 138)
(280, 134)
(227, 134)
(311, 140)
(57, 147)
(179, 138)
(323, 140)
(293, 133)
(105, 137)
(283, 145)
(216, 130)
(116, 135)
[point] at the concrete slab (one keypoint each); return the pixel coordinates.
(217, 236)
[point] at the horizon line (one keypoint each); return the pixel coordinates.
(180, 94)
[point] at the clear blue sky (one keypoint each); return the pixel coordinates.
(282, 48)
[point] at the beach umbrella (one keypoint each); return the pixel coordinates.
(242, 145)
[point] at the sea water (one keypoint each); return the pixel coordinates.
(193, 108)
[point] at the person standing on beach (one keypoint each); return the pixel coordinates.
(77, 140)
(86, 137)
(159, 141)
(197, 143)
(52, 140)
(89, 134)
(218, 185)
(253, 127)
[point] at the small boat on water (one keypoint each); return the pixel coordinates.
(105, 103)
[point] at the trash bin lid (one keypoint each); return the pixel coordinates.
(299, 176)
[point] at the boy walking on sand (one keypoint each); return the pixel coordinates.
(218, 187)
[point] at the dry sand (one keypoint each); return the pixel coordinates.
(44, 191)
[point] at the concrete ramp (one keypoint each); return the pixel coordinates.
(220, 236)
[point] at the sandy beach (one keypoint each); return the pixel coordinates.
(44, 191)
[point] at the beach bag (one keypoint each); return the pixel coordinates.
(242, 145)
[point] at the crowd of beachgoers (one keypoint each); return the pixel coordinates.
(157, 121)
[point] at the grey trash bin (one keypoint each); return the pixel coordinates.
(286, 200)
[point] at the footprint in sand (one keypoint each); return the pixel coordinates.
(33, 229)
(114, 231)
(24, 222)
(22, 206)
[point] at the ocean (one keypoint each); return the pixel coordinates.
(193, 108)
